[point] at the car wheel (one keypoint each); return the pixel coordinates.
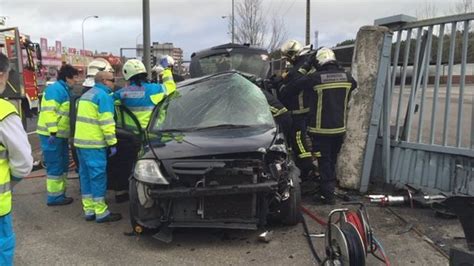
(140, 215)
(290, 212)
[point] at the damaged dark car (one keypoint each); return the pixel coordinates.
(213, 158)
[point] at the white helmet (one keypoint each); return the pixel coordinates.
(98, 64)
(325, 55)
(133, 67)
(167, 61)
(290, 49)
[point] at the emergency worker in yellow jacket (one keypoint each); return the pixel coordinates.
(140, 96)
(15, 162)
(54, 130)
(94, 137)
(167, 75)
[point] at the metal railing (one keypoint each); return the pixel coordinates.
(426, 130)
(412, 122)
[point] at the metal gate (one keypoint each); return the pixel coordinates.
(422, 121)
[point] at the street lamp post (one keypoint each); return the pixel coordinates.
(84, 20)
(232, 21)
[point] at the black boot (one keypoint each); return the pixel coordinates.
(112, 217)
(119, 198)
(65, 201)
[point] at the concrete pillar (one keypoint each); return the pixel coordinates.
(365, 63)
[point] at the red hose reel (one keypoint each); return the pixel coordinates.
(350, 238)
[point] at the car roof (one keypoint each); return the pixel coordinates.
(242, 48)
(202, 78)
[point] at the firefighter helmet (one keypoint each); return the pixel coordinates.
(325, 55)
(98, 64)
(133, 67)
(290, 49)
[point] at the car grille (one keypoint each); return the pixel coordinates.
(213, 173)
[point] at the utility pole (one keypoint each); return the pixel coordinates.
(316, 39)
(308, 20)
(146, 36)
(233, 21)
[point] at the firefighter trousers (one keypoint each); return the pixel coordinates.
(329, 147)
(303, 157)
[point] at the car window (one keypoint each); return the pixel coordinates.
(256, 63)
(227, 99)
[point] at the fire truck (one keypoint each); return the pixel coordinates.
(25, 62)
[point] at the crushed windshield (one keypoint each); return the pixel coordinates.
(256, 64)
(224, 101)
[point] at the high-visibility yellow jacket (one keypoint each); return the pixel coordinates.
(168, 81)
(140, 100)
(54, 111)
(95, 124)
(6, 109)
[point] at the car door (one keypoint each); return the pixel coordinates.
(129, 143)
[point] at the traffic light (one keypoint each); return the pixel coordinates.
(153, 60)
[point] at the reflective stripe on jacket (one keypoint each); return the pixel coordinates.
(141, 100)
(6, 109)
(54, 111)
(168, 81)
(276, 107)
(332, 87)
(95, 124)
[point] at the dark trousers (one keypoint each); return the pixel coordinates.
(329, 146)
(303, 158)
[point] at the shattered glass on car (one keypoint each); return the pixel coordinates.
(223, 101)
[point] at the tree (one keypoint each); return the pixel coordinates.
(277, 34)
(346, 42)
(250, 22)
(463, 6)
(252, 27)
(428, 10)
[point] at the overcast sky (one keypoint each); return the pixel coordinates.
(192, 24)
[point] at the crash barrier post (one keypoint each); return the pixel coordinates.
(427, 132)
(370, 61)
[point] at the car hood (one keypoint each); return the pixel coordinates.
(212, 142)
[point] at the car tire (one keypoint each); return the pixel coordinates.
(290, 212)
(136, 210)
(133, 194)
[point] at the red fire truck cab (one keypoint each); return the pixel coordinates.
(25, 61)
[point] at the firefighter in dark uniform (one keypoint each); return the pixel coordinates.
(332, 87)
(297, 102)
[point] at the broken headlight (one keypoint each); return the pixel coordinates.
(148, 171)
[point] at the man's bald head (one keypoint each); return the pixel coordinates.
(106, 78)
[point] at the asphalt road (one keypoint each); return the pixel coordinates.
(60, 236)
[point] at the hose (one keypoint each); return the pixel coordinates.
(313, 216)
(310, 242)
